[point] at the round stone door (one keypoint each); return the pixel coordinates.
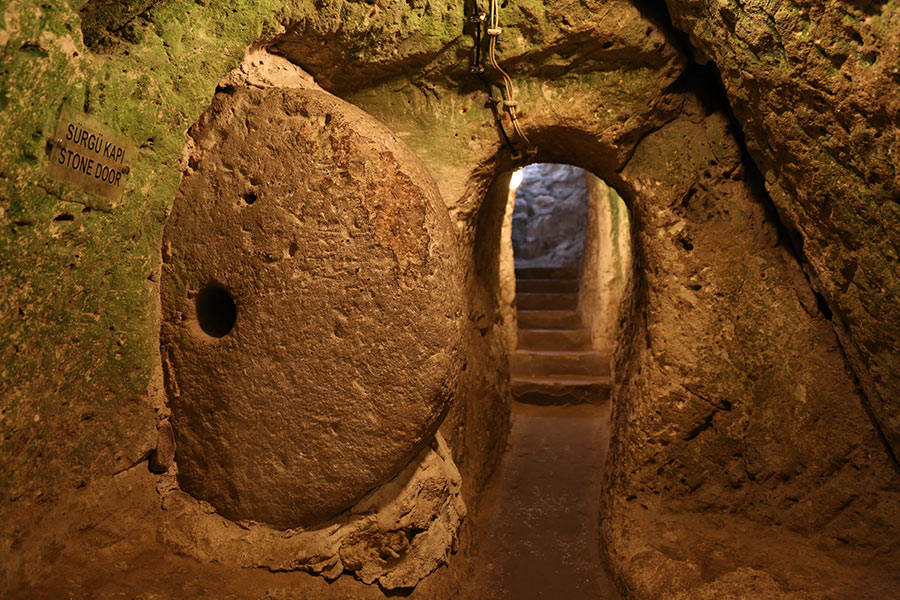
(311, 307)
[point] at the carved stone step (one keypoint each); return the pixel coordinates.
(544, 286)
(549, 319)
(547, 301)
(554, 339)
(537, 363)
(546, 273)
(570, 389)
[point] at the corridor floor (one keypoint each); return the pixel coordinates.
(539, 523)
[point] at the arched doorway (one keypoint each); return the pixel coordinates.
(564, 262)
(571, 254)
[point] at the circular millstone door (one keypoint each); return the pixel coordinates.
(312, 307)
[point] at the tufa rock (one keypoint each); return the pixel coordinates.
(163, 456)
(395, 536)
(311, 307)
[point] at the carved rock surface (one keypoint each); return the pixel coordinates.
(397, 535)
(550, 215)
(814, 86)
(311, 307)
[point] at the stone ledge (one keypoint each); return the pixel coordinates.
(396, 536)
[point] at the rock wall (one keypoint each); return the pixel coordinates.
(732, 397)
(507, 268)
(606, 269)
(743, 463)
(550, 216)
(80, 423)
(814, 86)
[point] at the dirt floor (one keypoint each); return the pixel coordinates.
(538, 529)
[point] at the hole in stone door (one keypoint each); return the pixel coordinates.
(216, 310)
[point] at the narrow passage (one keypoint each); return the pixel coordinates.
(540, 535)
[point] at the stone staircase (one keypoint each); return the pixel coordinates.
(554, 363)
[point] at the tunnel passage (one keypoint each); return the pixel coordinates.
(716, 325)
(564, 261)
(570, 255)
(310, 337)
(737, 399)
